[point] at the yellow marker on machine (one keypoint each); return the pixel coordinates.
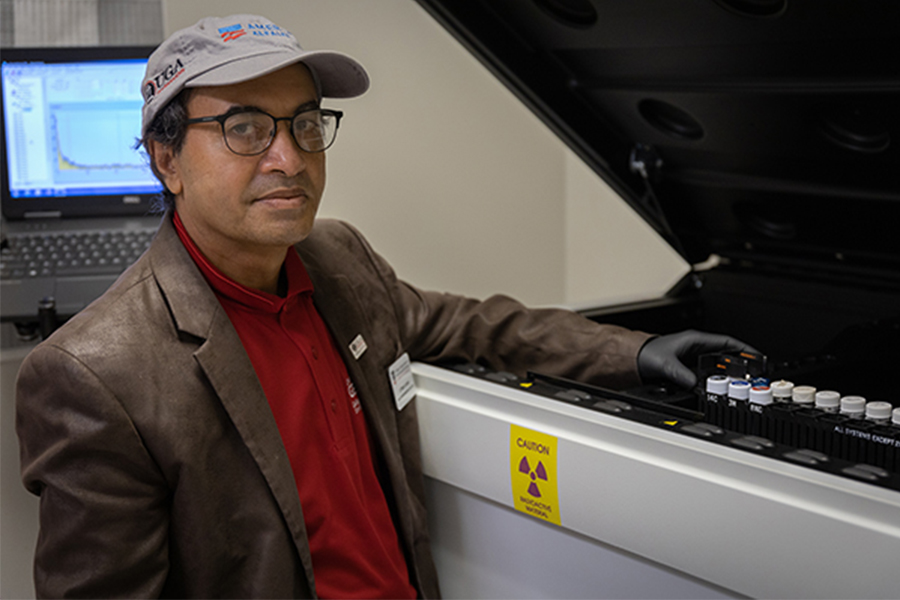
(532, 461)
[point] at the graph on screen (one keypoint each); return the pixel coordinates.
(95, 139)
(72, 129)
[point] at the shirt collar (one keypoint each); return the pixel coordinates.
(297, 278)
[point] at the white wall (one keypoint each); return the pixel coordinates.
(612, 255)
(450, 177)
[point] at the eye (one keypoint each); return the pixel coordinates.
(307, 126)
(248, 126)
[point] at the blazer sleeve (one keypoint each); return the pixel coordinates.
(103, 502)
(505, 335)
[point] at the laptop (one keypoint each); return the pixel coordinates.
(77, 196)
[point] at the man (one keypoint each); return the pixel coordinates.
(221, 422)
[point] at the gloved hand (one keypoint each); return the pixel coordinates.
(668, 356)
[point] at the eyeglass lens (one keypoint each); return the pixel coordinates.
(251, 132)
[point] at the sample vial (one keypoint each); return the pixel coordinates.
(828, 401)
(895, 417)
(879, 412)
(717, 387)
(716, 397)
(739, 390)
(803, 394)
(761, 394)
(782, 390)
(853, 406)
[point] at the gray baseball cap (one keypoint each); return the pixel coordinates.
(228, 50)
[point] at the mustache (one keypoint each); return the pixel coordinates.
(275, 184)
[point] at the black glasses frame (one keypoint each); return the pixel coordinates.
(220, 119)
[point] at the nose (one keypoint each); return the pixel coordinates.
(284, 155)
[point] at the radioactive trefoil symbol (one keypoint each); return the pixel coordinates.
(539, 472)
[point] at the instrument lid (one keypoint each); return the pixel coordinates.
(766, 132)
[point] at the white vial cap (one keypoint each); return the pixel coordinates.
(739, 389)
(853, 405)
(782, 389)
(761, 394)
(878, 410)
(804, 394)
(895, 416)
(828, 399)
(717, 384)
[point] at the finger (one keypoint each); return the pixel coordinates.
(714, 342)
(677, 372)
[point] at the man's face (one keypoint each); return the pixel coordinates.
(246, 204)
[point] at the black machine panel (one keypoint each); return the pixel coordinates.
(762, 133)
(759, 130)
(852, 448)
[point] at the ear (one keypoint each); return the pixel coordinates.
(165, 163)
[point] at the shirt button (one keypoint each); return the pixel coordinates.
(334, 406)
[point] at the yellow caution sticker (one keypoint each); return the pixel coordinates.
(532, 462)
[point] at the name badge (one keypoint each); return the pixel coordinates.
(400, 374)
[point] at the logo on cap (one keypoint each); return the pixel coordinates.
(267, 30)
(158, 83)
(232, 32)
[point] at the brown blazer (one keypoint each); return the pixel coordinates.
(160, 468)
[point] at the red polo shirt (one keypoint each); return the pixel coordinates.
(354, 545)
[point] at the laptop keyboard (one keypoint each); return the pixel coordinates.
(71, 253)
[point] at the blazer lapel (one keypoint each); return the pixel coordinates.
(346, 315)
(230, 372)
(196, 311)
(336, 301)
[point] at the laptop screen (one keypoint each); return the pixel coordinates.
(71, 121)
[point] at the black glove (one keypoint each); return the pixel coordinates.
(666, 356)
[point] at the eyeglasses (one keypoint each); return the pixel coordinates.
(250, 131)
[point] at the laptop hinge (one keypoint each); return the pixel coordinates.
(43, 214)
